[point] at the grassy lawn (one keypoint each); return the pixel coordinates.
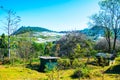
(20, 73)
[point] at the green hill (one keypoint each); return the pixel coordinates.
(24, 29)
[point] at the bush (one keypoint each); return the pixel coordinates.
(77, 73)
(18, 61)
(93, 52)
(102, 61)
(118, 54)
(85, 72)
(81, 72)
(63, 63)
(6, 61)
(97, 74)
(75, 63)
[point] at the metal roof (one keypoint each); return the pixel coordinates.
(48, 57)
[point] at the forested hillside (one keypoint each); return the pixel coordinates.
(25, 29)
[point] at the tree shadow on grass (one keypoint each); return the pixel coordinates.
(34, 66)
(113, 70)
(94, 63)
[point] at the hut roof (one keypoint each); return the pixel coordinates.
(48, 57)
(104, 55)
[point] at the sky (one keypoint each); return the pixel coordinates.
(57, 15)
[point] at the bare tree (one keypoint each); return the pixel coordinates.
(109, 18)
(103, 20)
(10, 24)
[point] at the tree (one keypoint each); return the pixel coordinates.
(3, 46)
(48, 48)
(102, 19)
(2, 41)
(101, 45)
(77, 51)
(10, 24)
(73, 45)
(109, 18)
(57, 50)
(24, 47)
(38, 48)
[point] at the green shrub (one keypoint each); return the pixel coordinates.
(118, 54)
(18, 60)
(77, 73)
(63, 63)
(85, 72)
(81, 73)
(102, 61)
(6, 61)
(75, 63)
(97, 74)
(93, 52)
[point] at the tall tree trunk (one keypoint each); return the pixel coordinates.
(109, 42)
(116, 32)
(8, 25)
(11, 24)
(114, 44)
(108, 34)
(9, 47)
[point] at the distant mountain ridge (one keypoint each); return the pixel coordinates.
(94, 32)
(25, 29)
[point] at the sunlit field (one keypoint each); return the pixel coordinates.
(8, 72)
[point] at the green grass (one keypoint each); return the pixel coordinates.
(20, 73)
(8, 72)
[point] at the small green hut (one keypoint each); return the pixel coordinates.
(107, 58)
(48, 63)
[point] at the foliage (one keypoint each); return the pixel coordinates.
(103, 45)
(77, 51)
(63, 63)
(48, 48)
(77, 73)
(10, 24)
(6, 61)
(72, 45)
(24, 49)
(102, 61)
(82, 72)
(3, 43)
(3, 46)
(109, 18)
(76, 63)
(93, 52)
(38, 48)
(56, 50)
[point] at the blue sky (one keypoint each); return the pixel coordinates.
(58, 15)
